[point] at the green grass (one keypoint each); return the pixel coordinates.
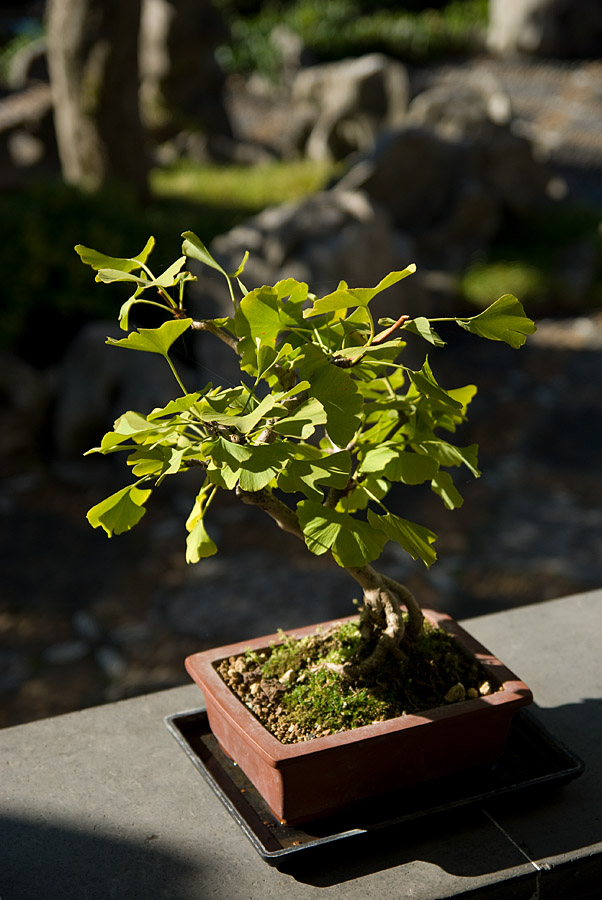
(240, 188)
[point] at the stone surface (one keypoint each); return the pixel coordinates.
(559, 28)
(103, 803)
(346, 104)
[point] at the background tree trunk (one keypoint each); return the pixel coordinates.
(93, 64)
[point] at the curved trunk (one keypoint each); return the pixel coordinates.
(382, 625)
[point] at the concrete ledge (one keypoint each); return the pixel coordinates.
(102, 803)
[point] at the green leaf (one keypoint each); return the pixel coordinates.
(504, 320)
(194, 248)
(169, 276)
(368, 489)
(148, 461)
(124, 312)
(311, 476)
(198, 543)
(344, 297)
(425, 382)
(302, 423)
(258, 316)
(449, 455)
(100, 261)
(424, 329)
(131, 422)
(444, 486)
(108, 276)
(396, 464)
(336, 391)
(243, 424)
(415, 539)
(351, 541)
(119, 512)
(258, 464)
(154, 340)
(222, 476)
(180, 405)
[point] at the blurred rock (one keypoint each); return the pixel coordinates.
(94, 384)
(346, 104)
(560, 28)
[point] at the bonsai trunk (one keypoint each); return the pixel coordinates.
(383, 630)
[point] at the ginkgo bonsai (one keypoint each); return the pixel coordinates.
(325, 420)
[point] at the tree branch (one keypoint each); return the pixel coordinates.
(212, 328)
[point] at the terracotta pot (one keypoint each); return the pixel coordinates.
(311, 779)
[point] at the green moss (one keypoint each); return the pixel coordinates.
(295, 691)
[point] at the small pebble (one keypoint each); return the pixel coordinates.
(485, 689)
(455, 694)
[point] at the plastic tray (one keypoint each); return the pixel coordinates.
(533, 759)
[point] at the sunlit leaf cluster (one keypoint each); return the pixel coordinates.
(326, 415)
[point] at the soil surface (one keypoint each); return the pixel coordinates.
(298, 691)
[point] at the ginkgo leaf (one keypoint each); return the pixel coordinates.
(302, 423)
(194, 248)
(415, 539)
(198, 543)
(424, 329)
(397, 464)
(336, 391)
(425, 383)
(504, 320)
(181, 404)
(311, 476)
(154, 340)
(444, 486)
(121, 511)
(101, 261)
(351, 541)
(345, 297)
(449, 455)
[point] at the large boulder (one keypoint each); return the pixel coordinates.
(453, 170)
(560, 28)
(346, 104)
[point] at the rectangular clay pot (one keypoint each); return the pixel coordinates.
(311, 779)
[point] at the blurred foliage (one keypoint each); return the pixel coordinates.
(12, 43)
(46, 291)
(342, 28)
(531, 257)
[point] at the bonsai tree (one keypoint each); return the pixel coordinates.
(325, 419)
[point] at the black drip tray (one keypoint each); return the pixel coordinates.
(533, 759)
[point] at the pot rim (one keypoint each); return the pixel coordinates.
(512, 693)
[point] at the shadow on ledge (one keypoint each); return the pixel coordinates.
(62, 862)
